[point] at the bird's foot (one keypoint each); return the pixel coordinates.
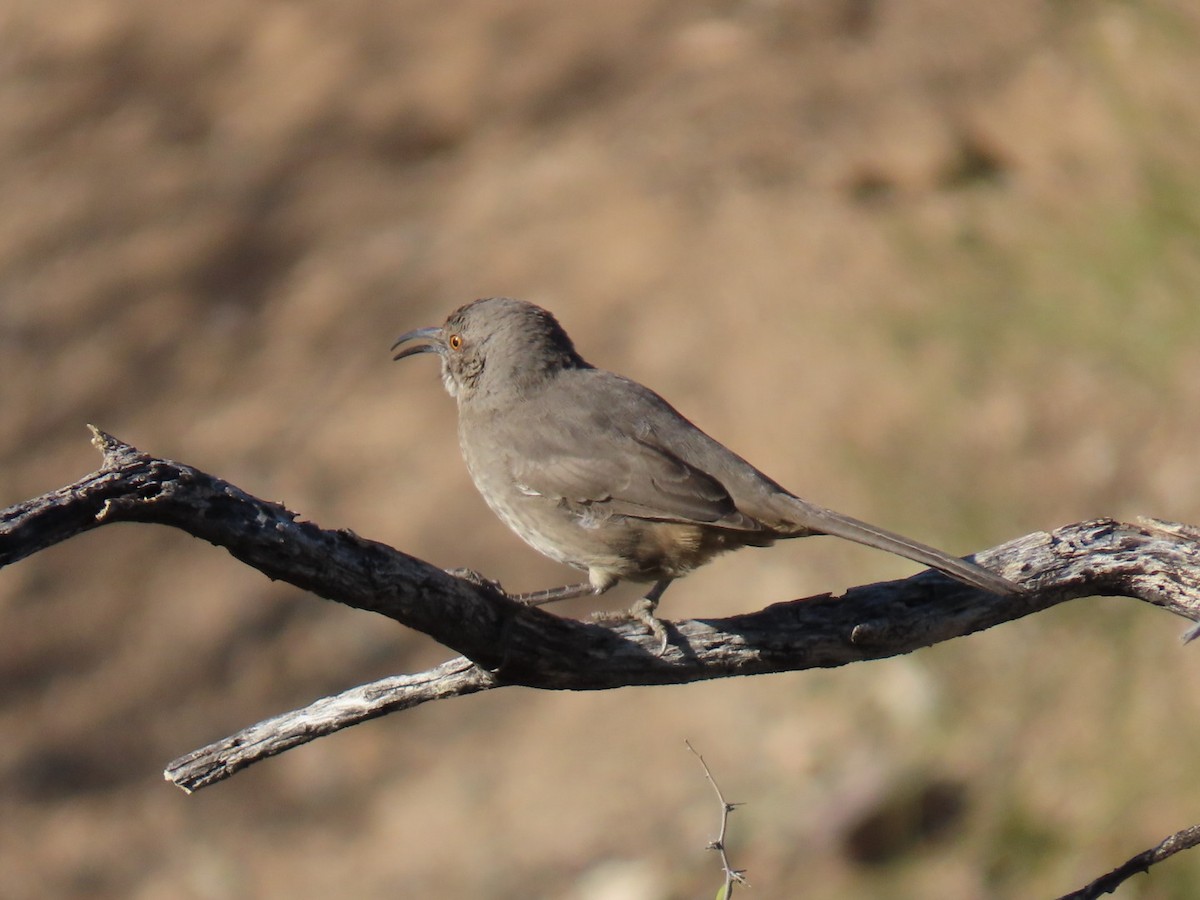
(476, 579)
(641, 611)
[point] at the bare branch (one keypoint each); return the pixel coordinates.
(732, 875)
(1106, 884)
(216, 762)
(508, 643)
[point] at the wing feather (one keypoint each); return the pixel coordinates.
(609, 461)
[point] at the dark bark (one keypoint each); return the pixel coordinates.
(504, 642)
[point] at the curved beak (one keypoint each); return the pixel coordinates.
(431, 336)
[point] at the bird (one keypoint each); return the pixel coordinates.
(599, 472)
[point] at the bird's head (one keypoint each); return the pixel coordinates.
(494, 347)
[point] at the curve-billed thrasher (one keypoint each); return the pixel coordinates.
(601, 473)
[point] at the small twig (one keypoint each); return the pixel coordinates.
(1106, 884)
(732, 875)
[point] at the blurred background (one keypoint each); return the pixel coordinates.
(934, 264)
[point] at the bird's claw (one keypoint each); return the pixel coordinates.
(641, 611)
(476, 579)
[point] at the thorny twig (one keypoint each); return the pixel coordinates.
(732, 875)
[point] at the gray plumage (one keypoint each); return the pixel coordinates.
(601, 473)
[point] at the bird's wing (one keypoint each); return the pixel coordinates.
(630, 479)
(608, 461)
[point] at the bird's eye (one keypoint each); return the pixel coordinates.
(455, 341)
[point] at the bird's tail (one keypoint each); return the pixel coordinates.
(813, 519)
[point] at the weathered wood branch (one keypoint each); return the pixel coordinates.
(505, 643)
(454, 678)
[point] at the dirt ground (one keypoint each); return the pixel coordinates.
(934, 264)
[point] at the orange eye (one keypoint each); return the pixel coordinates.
(455, 341)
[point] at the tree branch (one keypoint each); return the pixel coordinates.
(507, 643)
(216, 762)
(1181, 840)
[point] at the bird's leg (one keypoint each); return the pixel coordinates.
(554, 594)
(533, 598)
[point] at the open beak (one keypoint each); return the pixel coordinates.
(431, 336)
